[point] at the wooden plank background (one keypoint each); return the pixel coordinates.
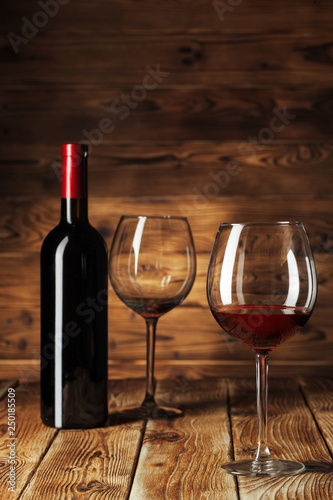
(182, 149)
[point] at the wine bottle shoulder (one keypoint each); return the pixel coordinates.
(79, 236)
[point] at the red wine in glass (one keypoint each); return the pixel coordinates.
(261, 328)
(262, 288)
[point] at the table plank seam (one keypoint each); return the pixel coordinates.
(315, 419)
(231, 436)
(135, 466)
(29, 478)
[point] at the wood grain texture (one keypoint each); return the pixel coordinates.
(186, 333)
(28, 371)
(250, 60)
(180, 169)
(23, 269)
(5, 385)
(104, 465)
(33, 439)
(294, 435)
(19, 280)
(25, 221)
(19, 291)
(178, 459)
(55, 116)
(102, 469)
(189, 331)
(319, 395)
(174, 17)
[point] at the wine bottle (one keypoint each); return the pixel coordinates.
(74, 298)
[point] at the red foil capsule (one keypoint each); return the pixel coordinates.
(74, 170)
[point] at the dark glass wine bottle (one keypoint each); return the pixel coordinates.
(74, 298)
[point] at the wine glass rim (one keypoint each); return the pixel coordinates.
(176, 217)
(274, 223)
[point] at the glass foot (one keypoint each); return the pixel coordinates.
(264, 468)
(151, 411)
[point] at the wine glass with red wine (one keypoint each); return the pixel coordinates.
(152, 269)
(262, 288)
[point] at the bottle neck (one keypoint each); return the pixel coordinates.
(74, 210)
(74, 201)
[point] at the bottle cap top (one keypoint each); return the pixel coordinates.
(74, 170)
(75, 150)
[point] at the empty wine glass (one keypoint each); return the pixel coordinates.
(262, 288)
(152, 269)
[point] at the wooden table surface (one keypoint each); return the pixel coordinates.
(175, 459)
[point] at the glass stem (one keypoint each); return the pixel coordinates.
(150, 380)
(262, 453)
